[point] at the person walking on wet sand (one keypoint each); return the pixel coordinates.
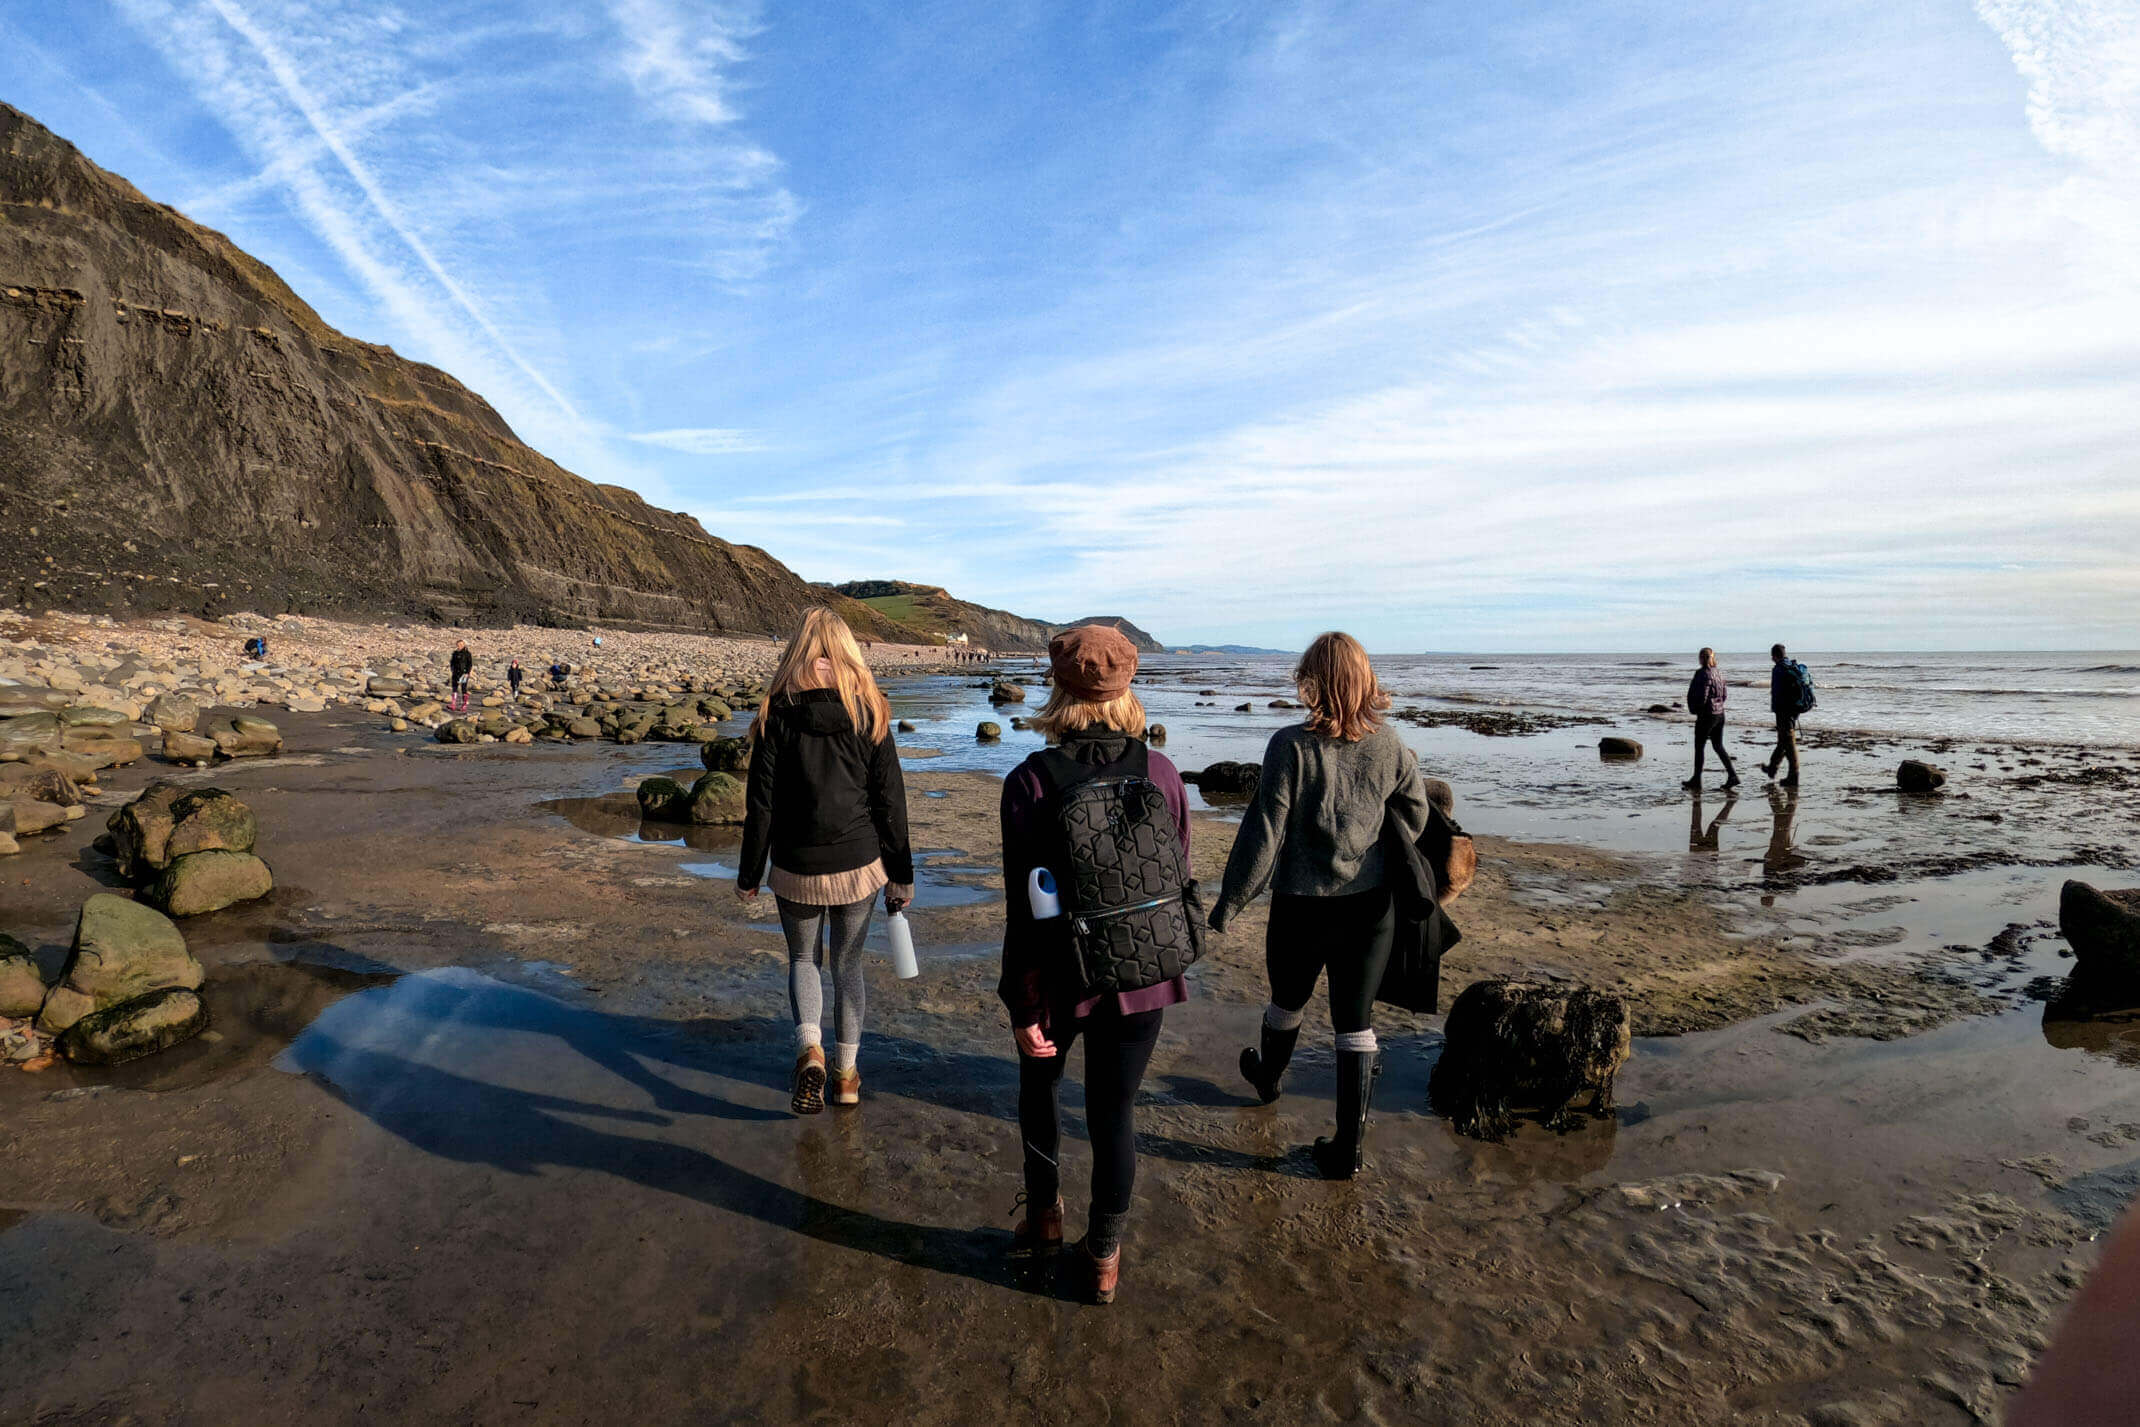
(1790, 697)
(1099, 762)
(1705, 700)
(826, 810)
(461, 666)
(1314, 835)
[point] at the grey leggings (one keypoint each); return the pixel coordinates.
(805, 927)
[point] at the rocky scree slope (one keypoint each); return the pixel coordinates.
(178, 430)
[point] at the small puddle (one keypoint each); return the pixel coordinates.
(617, 815)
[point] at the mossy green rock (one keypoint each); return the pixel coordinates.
(211, 820)
(988, 731)
(210, 881)
(725, 755)
(133, 1029)
(717, 800)
(663, 800)
(122, 950)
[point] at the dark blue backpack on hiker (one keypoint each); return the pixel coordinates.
(1802, 698)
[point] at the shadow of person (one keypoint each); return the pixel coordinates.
(376, 1059)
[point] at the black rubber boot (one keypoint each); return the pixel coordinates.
(1340, 1156)
(1265, 1069)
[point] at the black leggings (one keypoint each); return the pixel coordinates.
(1352, 935)
(1117, 1049)
(1708, 733)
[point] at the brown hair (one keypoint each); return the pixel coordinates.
(1338, 685)
(824, 635)
(1066, 712)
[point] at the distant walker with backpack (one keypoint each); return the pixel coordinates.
(1790, 697)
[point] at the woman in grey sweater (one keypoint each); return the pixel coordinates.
(1314, 836)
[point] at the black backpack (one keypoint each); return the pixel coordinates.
(1129, 905)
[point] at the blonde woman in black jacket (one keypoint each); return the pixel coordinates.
(827, 817)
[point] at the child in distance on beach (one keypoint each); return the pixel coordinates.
(461, 666)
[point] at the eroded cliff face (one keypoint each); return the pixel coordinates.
(178, 430)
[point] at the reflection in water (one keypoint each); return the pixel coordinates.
(1532, 1153)
(617, 815)
(1782, 855)
(2097, 1021)
(1704, 839)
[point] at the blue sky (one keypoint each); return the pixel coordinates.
(1492, 327)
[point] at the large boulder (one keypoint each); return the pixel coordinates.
(717, 800)
(988, 731)
(663, 800)
(1513, 1044)
(24, 816)
(210, 820)
(1229, 780)
(94, 718)
(459, 730)
(1919, 777)
(22, 985)
(583, 728)
(172, 713)
(2103, 928)
(100, 747)
(248, 737)
(140, 830)
(122, 950)
(188, 748)
(208, 882)
(1006, 694)
(39, 781)
(725, 755)
(380, 685)
(1615, 749)
(1156, 735)
(135, 1028)
(28, 733)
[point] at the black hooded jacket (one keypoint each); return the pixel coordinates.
(822, 797)
(462, 663)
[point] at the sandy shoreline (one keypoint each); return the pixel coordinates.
(493, 1126)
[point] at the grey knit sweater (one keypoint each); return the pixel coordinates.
(1315, 827)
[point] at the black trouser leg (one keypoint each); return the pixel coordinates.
(1117, 1053)
(1040, 1123)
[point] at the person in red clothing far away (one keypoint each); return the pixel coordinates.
(1097, 726)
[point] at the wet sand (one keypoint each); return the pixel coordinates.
(493, 1127)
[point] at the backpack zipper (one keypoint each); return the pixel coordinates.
(1084, 921)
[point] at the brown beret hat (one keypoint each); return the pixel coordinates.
(1093, 662)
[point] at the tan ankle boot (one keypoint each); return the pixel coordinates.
(809, 1097)
(1039, 1232)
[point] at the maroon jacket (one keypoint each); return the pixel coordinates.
(1032, 985)
(1706, 693)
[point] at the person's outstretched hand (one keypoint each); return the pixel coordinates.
(1033, 1042)
(746, 894)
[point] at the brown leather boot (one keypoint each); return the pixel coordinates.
(809, 1097)
(844, 1087)
(1040, 1232)
(1106, 1272)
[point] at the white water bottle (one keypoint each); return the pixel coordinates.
(1041, 895)
(901, 937)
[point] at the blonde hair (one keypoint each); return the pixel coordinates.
(1338, 684)
(824, 635)
(1065, 713)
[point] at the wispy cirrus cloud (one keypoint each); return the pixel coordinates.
(702, 440)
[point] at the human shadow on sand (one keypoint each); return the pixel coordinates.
(375, 1052)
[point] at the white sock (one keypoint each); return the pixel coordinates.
(1362, 1042)
(843, 1055)
(807, 1036)
(1278, 1018)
